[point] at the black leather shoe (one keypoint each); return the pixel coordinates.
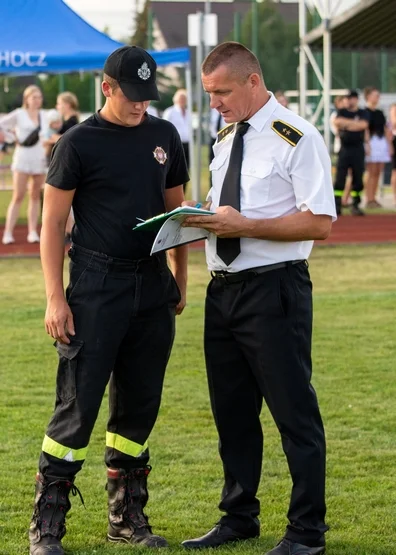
(287, 547)
(219, 535)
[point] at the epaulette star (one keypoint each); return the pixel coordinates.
(222, 134)
(289, 133)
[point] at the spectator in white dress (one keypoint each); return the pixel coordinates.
(29, 124)
(379, 147)
(392, 117)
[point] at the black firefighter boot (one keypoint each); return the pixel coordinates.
(355, 209)
(51, 504)
(128, 495)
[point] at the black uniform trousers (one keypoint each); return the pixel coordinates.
(350, 157)
(124, 317)
(258, 345)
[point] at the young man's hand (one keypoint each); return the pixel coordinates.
(59, 322)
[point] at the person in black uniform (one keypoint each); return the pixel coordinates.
(272, 193)
(117, 320)
(352, 123)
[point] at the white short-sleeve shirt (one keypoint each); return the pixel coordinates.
(277, 179)
(180, 120)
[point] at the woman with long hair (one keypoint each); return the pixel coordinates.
(29, 125)
(67, 106)
(379, 146)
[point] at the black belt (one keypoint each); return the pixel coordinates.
(245, 275)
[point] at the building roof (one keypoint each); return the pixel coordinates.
(172, 17)
(369, 25)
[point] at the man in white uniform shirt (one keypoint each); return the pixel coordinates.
(258, 315)
(179, 115)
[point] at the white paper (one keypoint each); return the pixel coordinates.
(172, 234)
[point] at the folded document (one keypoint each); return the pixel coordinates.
(171, 234)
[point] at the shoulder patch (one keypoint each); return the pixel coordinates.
(222, 134)
(289, 133)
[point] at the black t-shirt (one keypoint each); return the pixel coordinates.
(352, 138)
(120, 174)
(68, 124)
(377, 122)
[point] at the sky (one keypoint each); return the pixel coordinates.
(119, 17)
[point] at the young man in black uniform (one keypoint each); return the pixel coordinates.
(352, 123)
(117, 320)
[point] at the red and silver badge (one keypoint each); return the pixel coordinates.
(160, 155)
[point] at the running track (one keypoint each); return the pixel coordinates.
(356, 230)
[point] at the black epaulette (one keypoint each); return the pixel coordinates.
(289, 133)
(225, 131)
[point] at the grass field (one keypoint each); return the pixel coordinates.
(354, 373)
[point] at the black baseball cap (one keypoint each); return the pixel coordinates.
(353, 94)
(134, 70)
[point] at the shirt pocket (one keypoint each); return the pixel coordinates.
(218, 162)
(255, 182)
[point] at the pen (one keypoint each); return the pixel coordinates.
(199, 205)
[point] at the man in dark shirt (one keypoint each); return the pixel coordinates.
(352, 123)
(117, 319)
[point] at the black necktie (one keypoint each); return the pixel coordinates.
(228, 249)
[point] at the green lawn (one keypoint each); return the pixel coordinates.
(354, 373)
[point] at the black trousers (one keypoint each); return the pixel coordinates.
(124, 317)
(350, 158)
(258, 345)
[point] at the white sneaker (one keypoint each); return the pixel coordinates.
(33, 237)
(8, 238)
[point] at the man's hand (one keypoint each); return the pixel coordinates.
(181, 306)
(227, 222)
(59, 320)
(193, 204)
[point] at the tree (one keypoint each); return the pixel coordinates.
(140, 36)
(278, 43)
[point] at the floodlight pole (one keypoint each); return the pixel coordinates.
(98, 91)
(327, 72)
(303, 74)
(325, 11)
(206, 102)
(193, 172)
(199, 59)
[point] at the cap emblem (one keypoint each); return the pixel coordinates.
(160, 155)
(144, 71)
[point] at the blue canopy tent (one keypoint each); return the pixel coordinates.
(46, 36)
